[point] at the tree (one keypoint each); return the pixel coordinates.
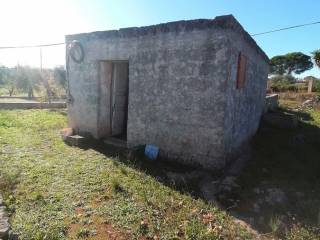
(59, 74)
(3, 74)
(7, 79)
(295, 62)
(28, 79)
(316, 57)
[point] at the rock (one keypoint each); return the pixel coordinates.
(275, 196)
(209, 189)
(76, 140)
(13, 236)
(176, 179)
(256, 208)
(3, 213)
(182, 179)
(1, 200)
(307, 102)
(281, 120)
(4, 222)
(237, 164)
(247, 226)
(257, 190)
(298, 139)
(4, 228)
(228, 184)
(272, 102)
(196, 175)
(66, 132)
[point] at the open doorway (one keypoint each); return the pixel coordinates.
(116, 75)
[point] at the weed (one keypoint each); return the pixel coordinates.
(196, 230)
(116, 186)
(275, 223)
(8, 181)
(83, 233)
(123, 170)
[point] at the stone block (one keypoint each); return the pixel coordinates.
(4, 223)
(75, 140)
(281, 120)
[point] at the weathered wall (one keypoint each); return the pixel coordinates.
(244, 106)
(177, 96)
(84, 89)
(180, 88)
(176, 91)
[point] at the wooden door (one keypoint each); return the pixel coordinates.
(119, 106)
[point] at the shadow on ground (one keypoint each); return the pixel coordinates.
(277, 189)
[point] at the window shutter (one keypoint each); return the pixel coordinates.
(241, 74)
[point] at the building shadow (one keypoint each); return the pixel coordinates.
(279, 187)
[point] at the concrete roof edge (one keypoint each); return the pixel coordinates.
(230, 22)
(226, 21)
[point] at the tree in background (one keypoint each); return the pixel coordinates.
(59, 74)
(316, 57)
(28, 79)
(3, 74)
(287, 64)
(7, 79)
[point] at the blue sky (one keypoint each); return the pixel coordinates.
(49, 21)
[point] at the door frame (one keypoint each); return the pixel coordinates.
(112, 97)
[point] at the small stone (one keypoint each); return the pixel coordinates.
(3, 213)
(176, 179)
(256, 208)
(257, 190)
(209, 189)
(13, 236)
(4, 227)
(228, 184)
(275, 196)
(4, 223)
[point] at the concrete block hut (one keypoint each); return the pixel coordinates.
(196, 88)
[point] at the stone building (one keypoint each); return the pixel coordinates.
(195, 88)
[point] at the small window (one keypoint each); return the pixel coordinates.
(241, 74)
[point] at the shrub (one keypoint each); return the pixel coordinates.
(286, 83)
(316, 86)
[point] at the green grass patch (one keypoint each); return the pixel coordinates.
(50, 187)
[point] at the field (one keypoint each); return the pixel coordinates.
(55, 191)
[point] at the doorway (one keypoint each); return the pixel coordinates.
(116, 76)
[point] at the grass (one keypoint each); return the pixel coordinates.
(54, 191)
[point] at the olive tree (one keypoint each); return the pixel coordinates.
(316, 57)
(287, 64)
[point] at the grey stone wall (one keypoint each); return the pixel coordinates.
(180, 87)
(244, 106)
(177, 96)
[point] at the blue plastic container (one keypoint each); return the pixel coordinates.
(151, 151)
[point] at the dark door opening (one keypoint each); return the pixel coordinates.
(119, 99)
(114, 83)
